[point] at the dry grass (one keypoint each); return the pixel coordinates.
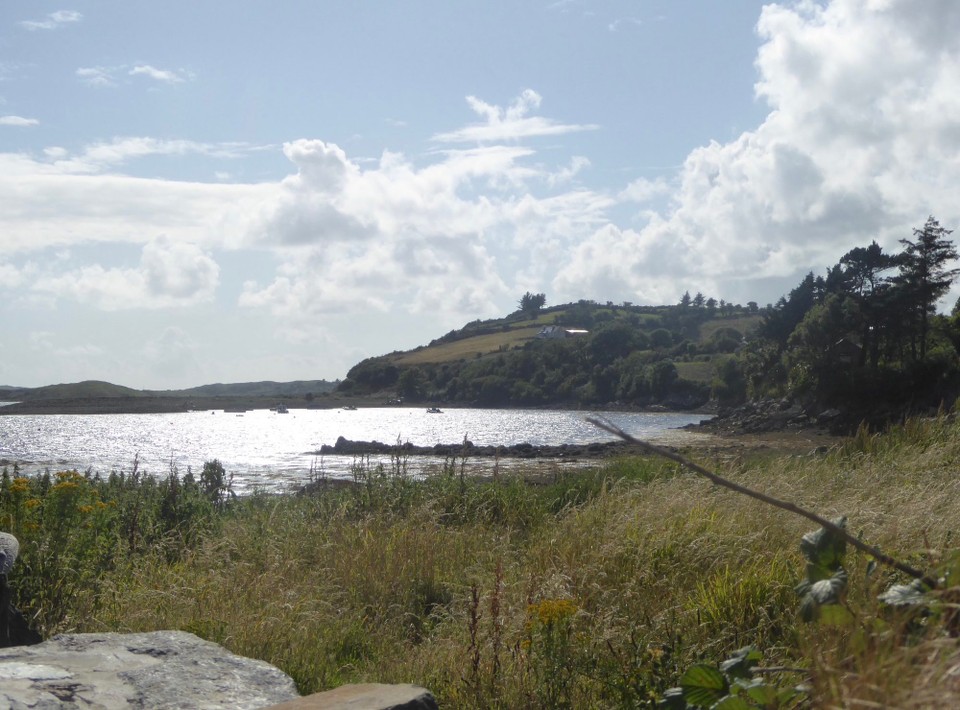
(470, 347)
(654, 571)
(696, 371)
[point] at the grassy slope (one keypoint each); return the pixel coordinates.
(516, 333)
(597, 591)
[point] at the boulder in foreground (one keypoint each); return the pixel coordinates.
(365, 696)
(161, 669)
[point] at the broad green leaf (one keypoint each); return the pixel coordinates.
(823, 551)
(823, 593)
(703, 685)
(740, 663)
(829, 591)
(763, 694)
(913, 594)
(834, 615)
(785, 695)
(673, 700)
(731, 702)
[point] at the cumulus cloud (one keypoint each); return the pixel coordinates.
(97, 76)
(861, 143)
(18, 121)
(53, 21)
(107, 154)
(511, 123)
(170, 274)
(164, 76)
(107, 77)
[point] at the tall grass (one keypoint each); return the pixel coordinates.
(588, 589)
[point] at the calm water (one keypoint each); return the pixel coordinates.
(275, 451)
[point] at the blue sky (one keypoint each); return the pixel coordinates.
(193, 192)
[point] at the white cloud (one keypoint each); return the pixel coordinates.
(624, 22)
(53, 21)
(108, 77)
(104, 155)
(861, 143)
(170, 274)
(511, 123)
(18, 121)
(164, 76)
(97, 76)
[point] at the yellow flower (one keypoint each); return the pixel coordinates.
(32, 502)
(552, 611)
(20, 485)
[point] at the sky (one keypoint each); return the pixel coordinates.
(198, 192)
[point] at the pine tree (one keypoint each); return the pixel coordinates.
(924, 278)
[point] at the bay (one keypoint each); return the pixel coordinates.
(274, 451)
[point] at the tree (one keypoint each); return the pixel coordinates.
(532, 302)
(924, 278)
(685, 300)
(863, 269)
(698, 300)
(612, 341)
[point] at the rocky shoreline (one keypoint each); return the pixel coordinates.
(346, 447)
(773, 415)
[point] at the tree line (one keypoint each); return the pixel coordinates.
(867, 333)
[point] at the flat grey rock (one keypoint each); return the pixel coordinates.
(365, 696)
(161, 669)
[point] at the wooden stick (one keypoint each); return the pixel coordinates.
(769, 500)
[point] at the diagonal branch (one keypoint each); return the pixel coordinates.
(769, 500)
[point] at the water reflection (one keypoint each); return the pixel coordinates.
(262, 448)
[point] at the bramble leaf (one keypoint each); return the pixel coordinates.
(822, 593)
(913, 594)
(703, 685)
(731, 702)
(740, 663)
(764, 694)
(823, 550)
(673, 700)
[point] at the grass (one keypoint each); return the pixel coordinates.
(470, 347)
(696, 371)
(589, 589)
(743, 323)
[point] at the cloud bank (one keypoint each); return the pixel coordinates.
(861, 142)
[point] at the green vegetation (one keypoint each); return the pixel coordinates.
(637, 355)
(866, 338)
(598, 588)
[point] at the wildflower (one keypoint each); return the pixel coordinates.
(553, 611)
(20, 485)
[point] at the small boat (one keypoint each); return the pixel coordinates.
(434, 410)
(282, 409)
(349, 408)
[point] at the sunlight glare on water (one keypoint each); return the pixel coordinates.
(265, 449)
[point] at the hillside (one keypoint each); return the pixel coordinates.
(597, 354)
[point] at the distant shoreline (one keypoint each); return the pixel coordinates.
(168, 404)
(173, 404)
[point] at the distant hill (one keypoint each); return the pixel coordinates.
(596, 354)
(297, 388)
(77, 390)
(95, 389)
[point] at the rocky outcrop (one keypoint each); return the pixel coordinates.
(365, 696)
(162, 669)
(346, 447)
(769, 415)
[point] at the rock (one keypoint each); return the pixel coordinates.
(9, 549)
(162, 669)
(365, 696)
